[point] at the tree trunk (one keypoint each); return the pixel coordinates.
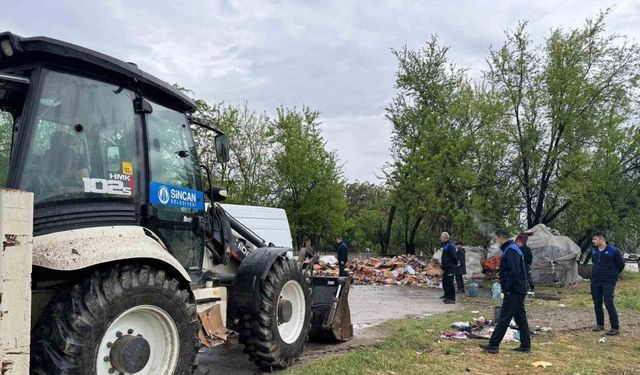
(411, 245)
(386, 237)
(406, 229)
(585, 246)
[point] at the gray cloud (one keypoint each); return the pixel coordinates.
(333, 56)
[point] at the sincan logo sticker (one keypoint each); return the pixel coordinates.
(175, 196)
(163, 194)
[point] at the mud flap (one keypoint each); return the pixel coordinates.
(331, 317)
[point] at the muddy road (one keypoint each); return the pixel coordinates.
(370, 306)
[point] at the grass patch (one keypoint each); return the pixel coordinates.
(414, 346)
(578, 296)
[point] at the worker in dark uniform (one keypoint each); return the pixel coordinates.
(608, 262)
(449, 262)
(513, 279)
(462, 266)
(343, 256)
(521, 241)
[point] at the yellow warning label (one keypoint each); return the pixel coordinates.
(127, 168)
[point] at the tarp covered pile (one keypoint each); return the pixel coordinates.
(399, 270)
(473, 259)
(555, 257)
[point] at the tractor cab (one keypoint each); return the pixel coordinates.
(99, 143)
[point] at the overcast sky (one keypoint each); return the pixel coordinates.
(333, 56)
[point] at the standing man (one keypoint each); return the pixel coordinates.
(449, 262)
(462, 266)
(513, 279)
(343, 255)
(521, 241)
(607, 264)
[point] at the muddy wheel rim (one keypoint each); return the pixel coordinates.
(148, 322)
(290, 330)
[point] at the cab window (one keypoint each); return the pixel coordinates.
(172, 153)
(175, 183)
(84, 143)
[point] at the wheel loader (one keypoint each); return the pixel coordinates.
(134, 266)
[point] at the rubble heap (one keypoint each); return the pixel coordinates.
(399, 270)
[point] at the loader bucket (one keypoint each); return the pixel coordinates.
(331, 317)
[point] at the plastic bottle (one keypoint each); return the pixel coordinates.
(473, 289)
(496, 291)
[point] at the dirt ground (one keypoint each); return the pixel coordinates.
(370, 306)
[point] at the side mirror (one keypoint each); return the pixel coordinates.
(222, 148)
(217, 193)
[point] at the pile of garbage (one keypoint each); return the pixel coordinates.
(479, 328)
(399, 270)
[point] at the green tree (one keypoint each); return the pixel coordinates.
(562, 98)
(367, 206)
(248, 176)
(445, 154)
(309, 182)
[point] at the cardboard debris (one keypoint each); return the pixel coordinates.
(399, 270)
(213, 332)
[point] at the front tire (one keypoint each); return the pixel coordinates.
(275, 339)
(125, 319)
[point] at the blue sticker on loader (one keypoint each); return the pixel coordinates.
(175, 196)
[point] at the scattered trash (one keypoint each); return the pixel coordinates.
(480, 328)
(475, 312)
(562, 305)
(602, 340)
(485, 333)
(461, 326)
(409, 270)
(541, 364)
(453, 335)
(545, 329)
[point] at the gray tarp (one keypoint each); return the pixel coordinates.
(473, 256)
(555, 257)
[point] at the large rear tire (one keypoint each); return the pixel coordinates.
(275, 337)
(125, 319)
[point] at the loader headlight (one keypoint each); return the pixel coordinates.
(6, 47)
